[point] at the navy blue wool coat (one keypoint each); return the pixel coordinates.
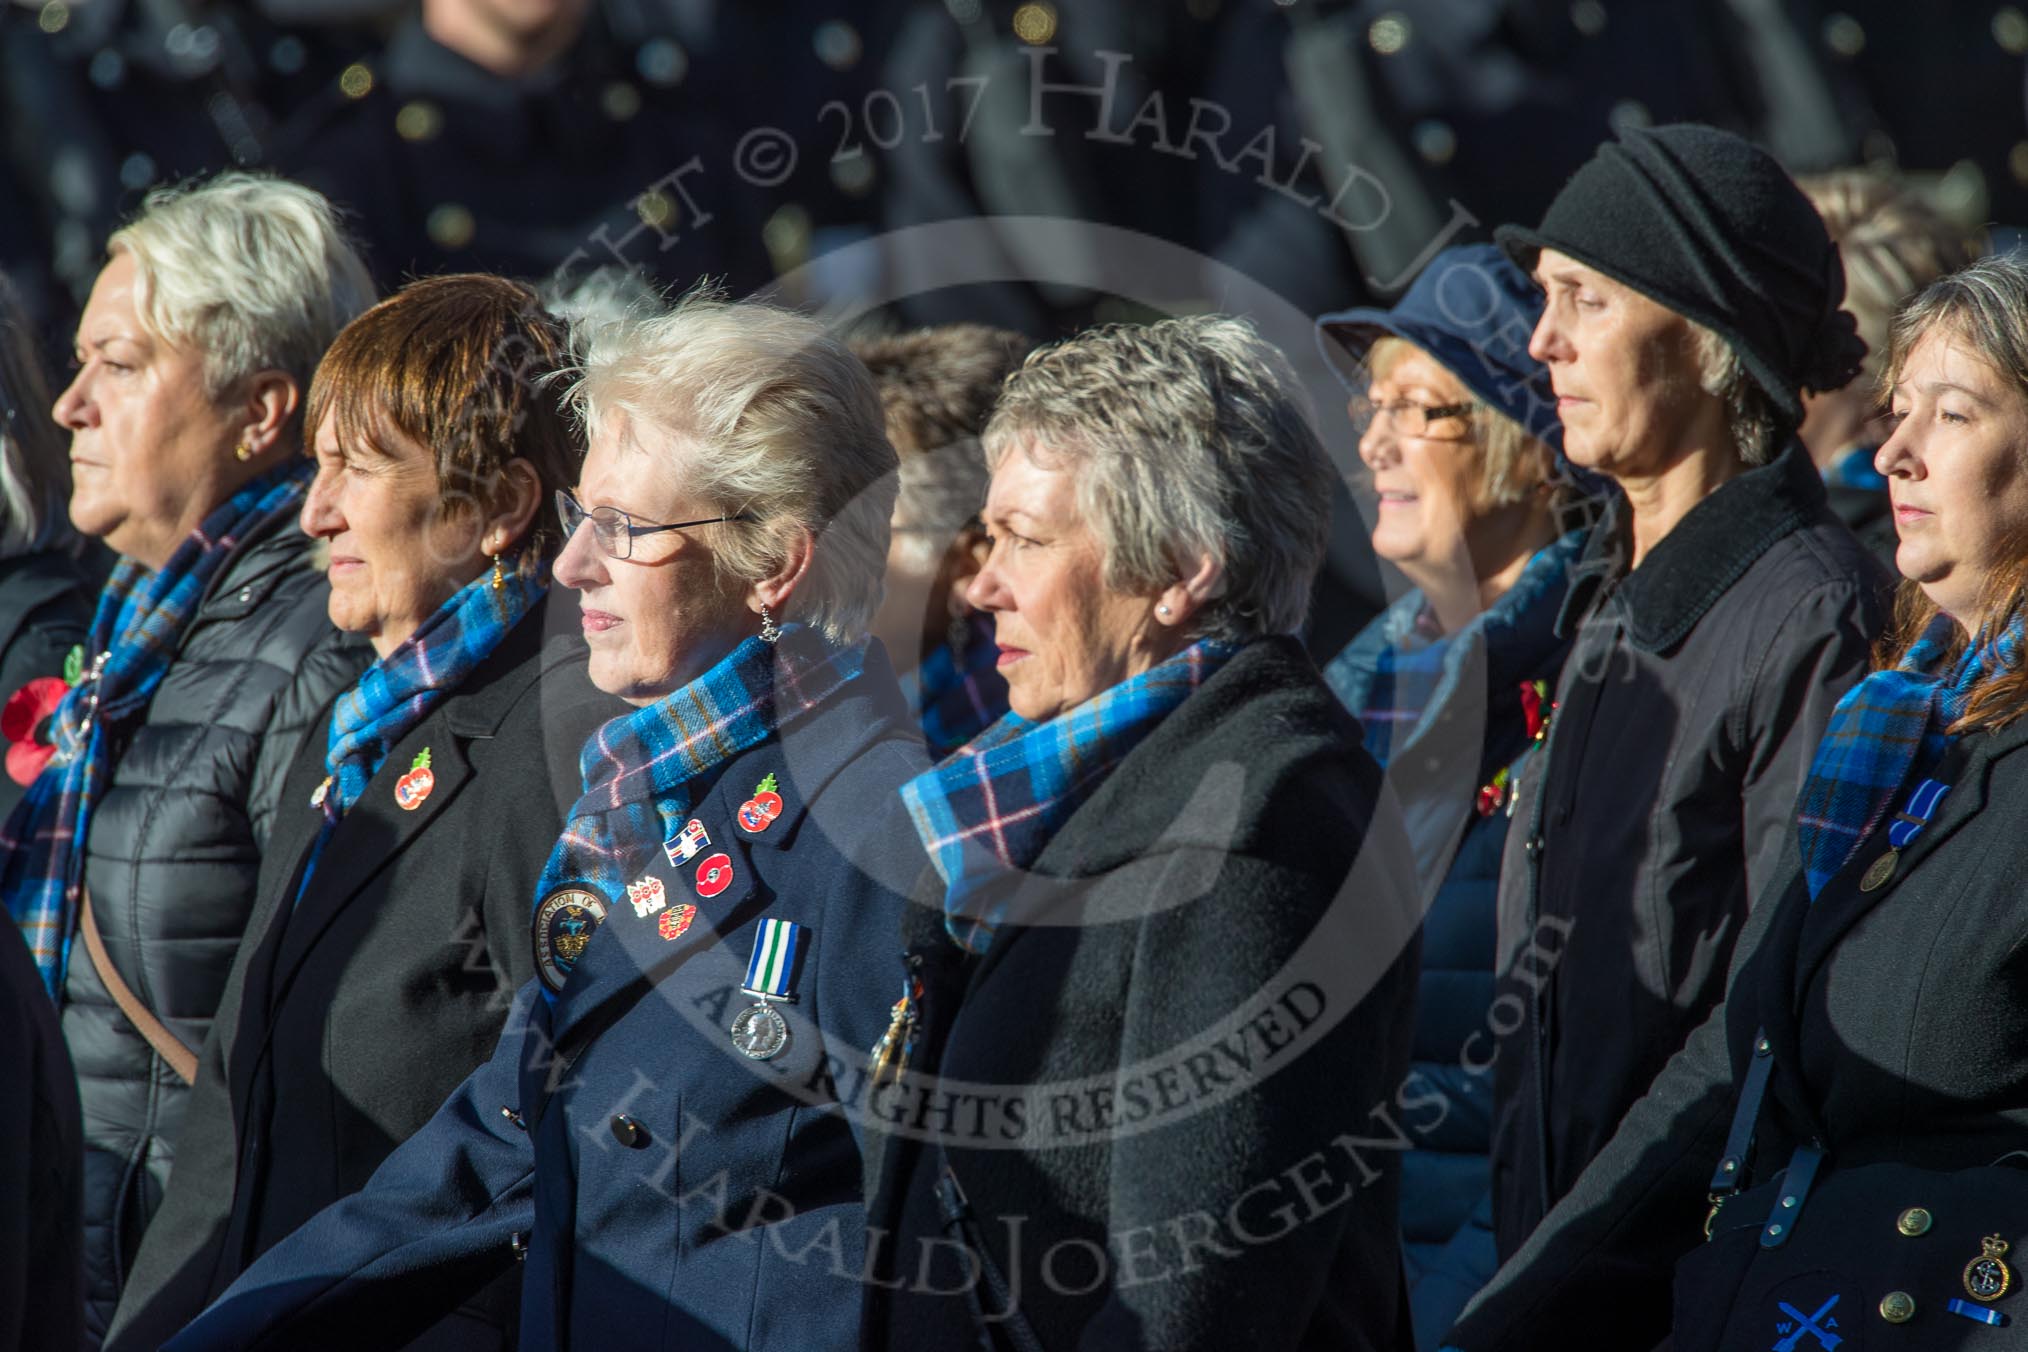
(663, 1189)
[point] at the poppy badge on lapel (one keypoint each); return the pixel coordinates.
(415, 786)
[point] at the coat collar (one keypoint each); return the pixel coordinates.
(1696, 563)
(1968, 769)
(377, 829)
(628, 956)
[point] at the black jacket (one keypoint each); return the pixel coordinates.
(171, 861)
(1687, 715)
(41, 1166)
(350, 1017)
(1172, 1099)
(1899, 1025)
(45, 611)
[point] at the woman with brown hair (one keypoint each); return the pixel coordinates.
(391, 929)
(1829, 1132)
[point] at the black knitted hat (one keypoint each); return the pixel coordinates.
(1711, 226)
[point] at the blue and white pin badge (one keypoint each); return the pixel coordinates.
(760, 1031)
(688, 843)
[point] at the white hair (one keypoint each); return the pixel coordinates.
(1189, 439)
(788, 427)
(253, 273)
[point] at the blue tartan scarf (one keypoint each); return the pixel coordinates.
(993, 806)
(1401, 666)
(639, 770)
(1884, 727)
(399, 690)
(960, 694)
(136, 633)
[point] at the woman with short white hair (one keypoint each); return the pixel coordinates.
(1175, 837)
(714, 932)
(131, 864)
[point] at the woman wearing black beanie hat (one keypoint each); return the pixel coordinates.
(1691, 294)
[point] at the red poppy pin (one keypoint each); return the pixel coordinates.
(758, 813)
(412, 788)
(714, 875)
(25, 714)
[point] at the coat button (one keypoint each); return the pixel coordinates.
(628, 1132)
(1914, 1221)
(1897, 1307)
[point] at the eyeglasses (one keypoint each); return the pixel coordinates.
(1432, 422)
(615, 530)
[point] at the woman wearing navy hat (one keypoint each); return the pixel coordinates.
(1458, 430)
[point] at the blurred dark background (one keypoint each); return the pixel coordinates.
(548, 138)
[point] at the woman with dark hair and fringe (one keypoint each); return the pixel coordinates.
(391, 929)
(1828, 1127)
(45, 592)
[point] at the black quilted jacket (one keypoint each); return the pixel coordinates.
(171, 860)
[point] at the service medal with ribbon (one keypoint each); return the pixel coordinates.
(760, 1031)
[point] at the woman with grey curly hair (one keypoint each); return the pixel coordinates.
(1174, 946)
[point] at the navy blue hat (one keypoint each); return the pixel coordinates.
(1473, 311)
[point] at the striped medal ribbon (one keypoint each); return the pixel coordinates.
(759, 1031)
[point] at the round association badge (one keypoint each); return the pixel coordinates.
(1988, 1277)
(760, 1031)
(714, 875)
(564, 924)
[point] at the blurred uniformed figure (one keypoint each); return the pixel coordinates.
(517, 137)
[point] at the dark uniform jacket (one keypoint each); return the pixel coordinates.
(41, 1166)
(1898, 1021)
(448, 167)
(666, 1190)
(45, 610)
(354, 1011)
(1164, 1095)
(171, 864)
(1688, 711)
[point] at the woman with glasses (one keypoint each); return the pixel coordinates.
(1457, 427)
(391, 930)
(657, 1141)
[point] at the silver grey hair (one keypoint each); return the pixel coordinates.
(1983, 305)
(1749, 414)
(788, 427)
(34, 466)
(251, 272)
(1191, 439)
